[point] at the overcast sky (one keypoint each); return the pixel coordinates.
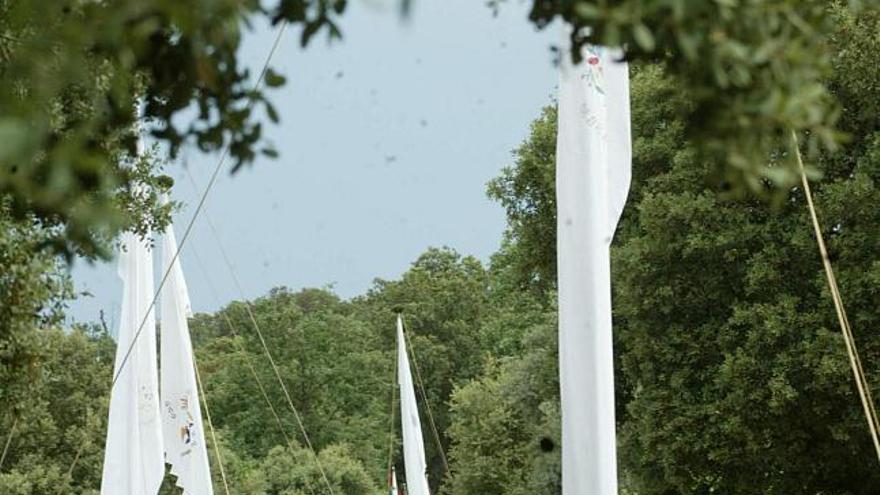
(387, 140)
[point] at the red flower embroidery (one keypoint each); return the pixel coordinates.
(593, 60)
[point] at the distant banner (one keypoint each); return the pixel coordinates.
(413, 444)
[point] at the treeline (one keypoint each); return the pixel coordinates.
(337, 359)
(731, 374)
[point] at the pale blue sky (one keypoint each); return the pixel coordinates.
(387, 141)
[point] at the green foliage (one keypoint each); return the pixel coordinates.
(61, 416)
(855, 75)
(505, 427)
(527, 189)
(337, 359)
(443, 298)
(321, 355)
(73, 73)
(33, 290)
(731, 375)
(753, 70)
(527, 193)
(72, 77)
(297, 474)
(738, 367)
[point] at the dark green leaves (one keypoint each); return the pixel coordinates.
(274, 79)
(754, 70)
(73, 78)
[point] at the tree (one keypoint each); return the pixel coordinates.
(55, 427)
(732, 376)
(754, 325)
(298, 474)
(73, 75)
(754, 71)
(527, 193)
(443, 298)
(337, 359)
(737, 367)
(505, 424)
(308, 333)
(33, 290)
(527, 189)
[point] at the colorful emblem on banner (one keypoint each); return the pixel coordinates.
(187, 432)
(593, 74)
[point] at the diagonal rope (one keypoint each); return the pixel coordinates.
(8, 441)
(244, 353)
(853, 353)
(249, 363)
(268, 354)
(427, 405)
(210, 424)
(210, 421)
(198, 210)
(69, 475)
(275, 369)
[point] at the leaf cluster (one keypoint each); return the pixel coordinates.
(754, 71)
(79, 81)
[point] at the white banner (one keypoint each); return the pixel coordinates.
(413, 443)
(133, 460)
(593, 169)
(185, 446)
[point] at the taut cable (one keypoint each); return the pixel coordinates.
(250, 365)
(427, 405)
(266, 351)
(851, 349)
(198, 210)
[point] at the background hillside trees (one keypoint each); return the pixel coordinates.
(732, 373)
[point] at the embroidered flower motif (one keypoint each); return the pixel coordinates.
(592, 74)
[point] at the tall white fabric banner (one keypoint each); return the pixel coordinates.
(593, 170)
(413, 444)
(185, 446)
(133, 460)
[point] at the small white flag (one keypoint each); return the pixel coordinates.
(133, 460)
(593, 169)
(185, 446)
(413, 444)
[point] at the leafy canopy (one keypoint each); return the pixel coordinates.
(79, 80)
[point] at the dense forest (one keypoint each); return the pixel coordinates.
(731, 374)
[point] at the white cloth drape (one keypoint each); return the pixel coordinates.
(593, 169)
(413, 443)
(184, 434)
(133, 460)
